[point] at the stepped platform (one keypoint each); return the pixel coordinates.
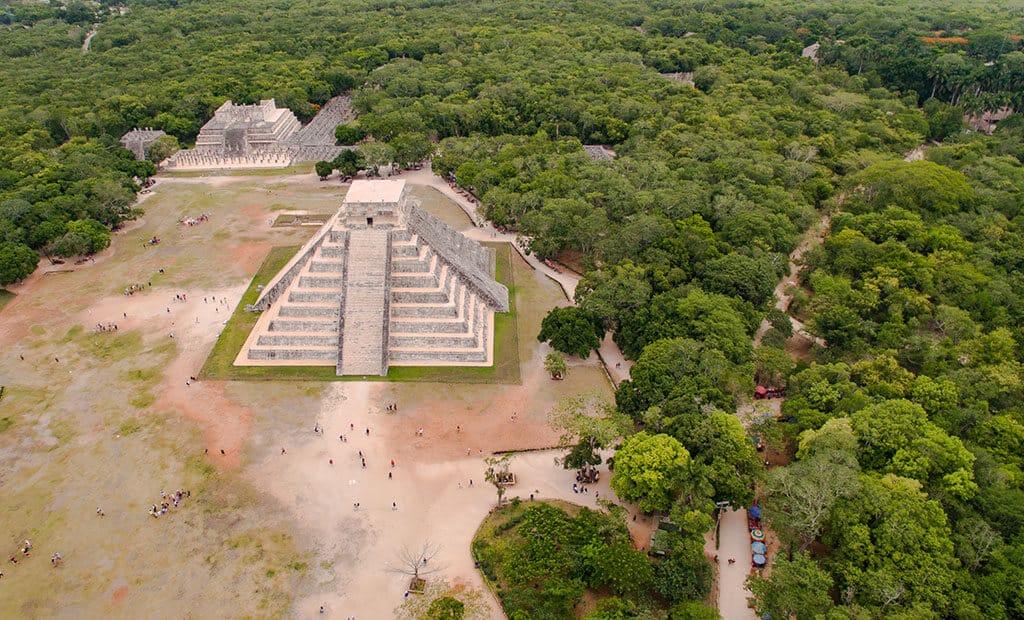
(381, 284)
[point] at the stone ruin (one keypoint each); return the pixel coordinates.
(599, 152)
(263, 136)
(138, 140)
(383, 283)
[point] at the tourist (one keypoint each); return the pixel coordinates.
(282, 450)
(100, 512)
(392, 462)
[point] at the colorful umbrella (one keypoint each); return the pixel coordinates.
(758, 547)
(756, 534)
(759, 560)
(754, 512)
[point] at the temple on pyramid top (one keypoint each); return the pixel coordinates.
(382, 283)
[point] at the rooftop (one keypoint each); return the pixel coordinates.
(375, 191)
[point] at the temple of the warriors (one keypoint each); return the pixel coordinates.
(382, 283)
(263, 136)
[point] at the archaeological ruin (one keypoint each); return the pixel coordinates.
(138, 140)
(263, 136)
(382, 283)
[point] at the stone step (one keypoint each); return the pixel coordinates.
(293, 354)
(316, 296)
(309, 311)
(326, 340)
(366, 299)
(433, 341)
(332, 282)
(322, 266)
(428, 355)
(278, 325)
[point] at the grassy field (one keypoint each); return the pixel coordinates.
(220, 366)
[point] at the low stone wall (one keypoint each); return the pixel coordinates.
(278, 325)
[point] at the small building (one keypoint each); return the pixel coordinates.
(138, 140)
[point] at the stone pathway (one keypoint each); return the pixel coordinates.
(732, 588)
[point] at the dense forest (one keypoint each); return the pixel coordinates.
(905, 496)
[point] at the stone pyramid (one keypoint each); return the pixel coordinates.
(382, 283)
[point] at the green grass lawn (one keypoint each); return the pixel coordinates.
(5, 296)
(241, 172)
(220, 366)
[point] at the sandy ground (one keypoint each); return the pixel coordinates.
(109, 419)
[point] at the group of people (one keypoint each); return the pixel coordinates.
(26, 551)
(134, 288)
(168, 500)
(587, 475)
(392, 407)
(109, 327)
(194, 221)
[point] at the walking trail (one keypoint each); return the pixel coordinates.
(88, 40)
(734, 534)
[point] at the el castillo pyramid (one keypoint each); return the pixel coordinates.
(382, 283)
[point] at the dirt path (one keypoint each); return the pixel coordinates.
(812, 237)
(88, 40)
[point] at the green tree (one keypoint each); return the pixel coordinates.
(162, 148)
(349, 162)
(620, 567)
(17, 261)
(554, 365)
(82, 237)
(648, 469)
(588, 422)
(410, 148)
(796, 588)
(892, 547)
(799, 498)
(377, 155)
(571, 330)
(497, 473)
(324, 169)
(446, 608)
(348, 134)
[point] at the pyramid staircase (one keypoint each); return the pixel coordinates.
(364, 325)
